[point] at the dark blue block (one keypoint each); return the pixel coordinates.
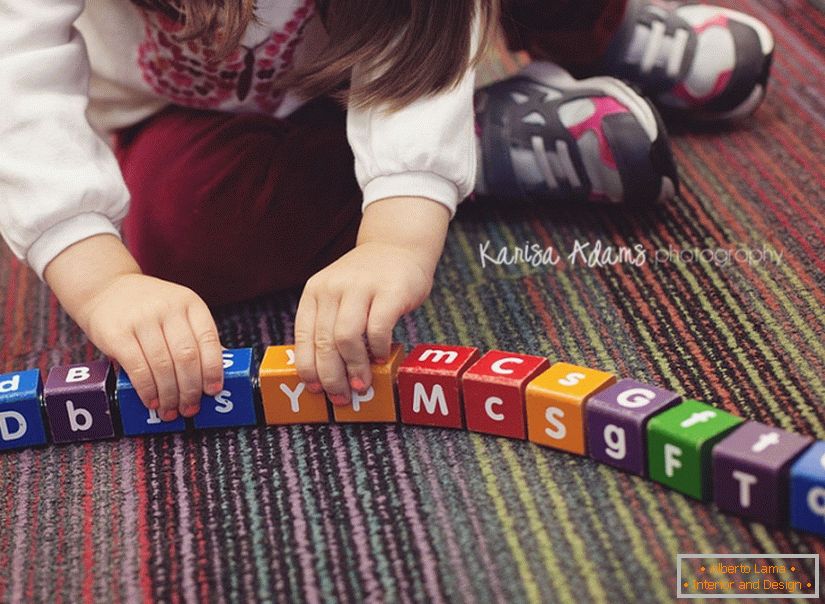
(135, 418)
(21, 418)
(235, 405)
(808, 490)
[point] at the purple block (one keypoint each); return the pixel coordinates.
(616, 421)
(77, 402)
(750, 471)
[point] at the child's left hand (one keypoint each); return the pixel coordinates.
(389, 273)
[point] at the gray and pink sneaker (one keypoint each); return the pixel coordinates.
(694, 60)
(544, 135)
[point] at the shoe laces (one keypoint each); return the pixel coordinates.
(652, 45)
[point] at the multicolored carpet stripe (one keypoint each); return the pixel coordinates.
(395, 513)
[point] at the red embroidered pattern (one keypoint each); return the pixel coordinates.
(187, 74)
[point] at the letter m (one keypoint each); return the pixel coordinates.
(439, 355)
(430, 402)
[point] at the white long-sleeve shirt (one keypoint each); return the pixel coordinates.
(72, 71)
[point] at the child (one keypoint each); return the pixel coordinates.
(236, 184)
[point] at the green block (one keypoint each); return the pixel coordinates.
(679, 443)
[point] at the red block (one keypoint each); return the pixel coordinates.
(494, 392)
(429, 385)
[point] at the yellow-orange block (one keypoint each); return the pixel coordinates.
(378, 403)
(284, 396)
(555, 405)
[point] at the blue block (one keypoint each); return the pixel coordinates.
(808, 490)
(235, 405)
(135, 418)
(21, 418)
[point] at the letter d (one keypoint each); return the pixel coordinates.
(5, 433)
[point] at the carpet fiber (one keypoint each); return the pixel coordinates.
(394, 513)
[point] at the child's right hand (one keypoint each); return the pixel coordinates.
(162, 334)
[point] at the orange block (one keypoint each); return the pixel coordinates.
(555, 405)
(378, 403)
(284, 396)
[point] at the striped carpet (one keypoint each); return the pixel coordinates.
(395, 513)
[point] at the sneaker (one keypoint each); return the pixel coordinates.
(697, 61)
(544, 135)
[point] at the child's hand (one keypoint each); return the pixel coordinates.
(364, 291)
(389, 273)
(162, 334)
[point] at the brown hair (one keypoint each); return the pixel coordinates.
(414, 47)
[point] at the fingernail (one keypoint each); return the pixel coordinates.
(315, 388)
(169, 415)
(154, 403)
(379, 361)
(214, 389)
(358, 385)
(339, 400)
(190, 410)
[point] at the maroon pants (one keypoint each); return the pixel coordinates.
(237, 205)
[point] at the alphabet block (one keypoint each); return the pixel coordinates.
(493, 389)
(378, 403)
(808, 490)
(135, 417)
(680, 442)
(750, 471)
(78, 402)
(285, 397)
(616, 421)
(429, 385)
(235, 405)
(555, 405)
(21, 418)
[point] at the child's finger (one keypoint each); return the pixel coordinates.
(209, 345)
(350, 325)
(384, 314)
(331, 369)
(305, 342)
(156, 352)
(187, 359)
(130, 356)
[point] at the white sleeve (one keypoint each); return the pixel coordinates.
(59, 182)
(427, 149)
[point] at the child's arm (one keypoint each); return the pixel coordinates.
(390, 272)
(161, 333)
(61, 198)
(414, 166)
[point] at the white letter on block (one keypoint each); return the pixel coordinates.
(572, 378)
(672, 452)
(224, 405)
(498, 366)
(11, 384)
(435, 398)
(488, 408)
(635, 398)
(765, 441)
(816, 501)
(552, 415)
(745, 482)
(357, 399)
(77, 374)
(439, 356)
(228, 359)
(153, 417)
(5, 416)
(74, 414)
(614, 438)
(293, 395)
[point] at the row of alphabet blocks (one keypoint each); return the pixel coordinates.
(751, 469)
